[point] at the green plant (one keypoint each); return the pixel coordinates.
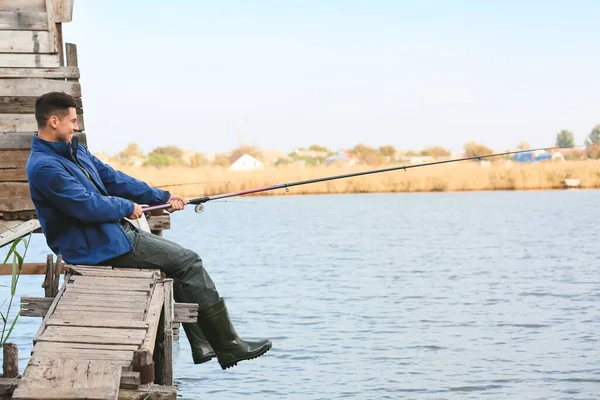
(17, 265)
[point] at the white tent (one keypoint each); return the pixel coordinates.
(246, 163)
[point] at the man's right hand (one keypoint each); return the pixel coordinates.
(137, 211)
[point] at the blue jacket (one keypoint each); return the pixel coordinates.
(80, 218)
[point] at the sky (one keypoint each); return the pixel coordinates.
(209, 75)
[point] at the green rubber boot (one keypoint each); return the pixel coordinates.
(221, 335)
(201, 349)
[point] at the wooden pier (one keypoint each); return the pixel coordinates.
(108, 334)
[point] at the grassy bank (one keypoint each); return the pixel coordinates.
(464, 176)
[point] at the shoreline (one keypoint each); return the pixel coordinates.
(446, 178)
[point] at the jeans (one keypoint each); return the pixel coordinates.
(191, 282)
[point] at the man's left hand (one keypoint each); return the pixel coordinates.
(177, 203)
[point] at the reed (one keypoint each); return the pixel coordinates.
(464, 176)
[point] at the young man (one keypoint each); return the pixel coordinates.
(81, 204)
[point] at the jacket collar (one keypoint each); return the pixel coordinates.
(65, 149)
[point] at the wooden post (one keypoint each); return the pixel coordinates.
(58, 266)
(142, 363)
(47, 284)
(168, 334)
(52, 279)
(10, 365)
(71, 50)
(157, 232)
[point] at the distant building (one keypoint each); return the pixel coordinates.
(532, 156)
(341, 157)
(247, 163)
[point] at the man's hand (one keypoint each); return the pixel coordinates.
(137, 211)
(177, 203)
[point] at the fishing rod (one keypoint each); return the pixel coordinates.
(199, 202)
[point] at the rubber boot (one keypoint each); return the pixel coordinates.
(221, 335)
(201, 349)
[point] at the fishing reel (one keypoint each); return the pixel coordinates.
(199, 208)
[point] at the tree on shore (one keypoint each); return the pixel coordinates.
(165, 156)
(565, 139)
(435, 151)
(593, 143)
(474, 149)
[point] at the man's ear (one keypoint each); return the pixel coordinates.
(53, 121)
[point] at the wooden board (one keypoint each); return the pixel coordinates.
(13, 175)
(27, 268)
(153, 317)
(26, 123)
(23, 20)
(13, 159)
(63, 10)
(65, 378)
(24, 42)
(159, 222)
(30, 5)
(59, 346)
(16, 60)
(92, 335)
(11, 230)
(114, 273)
(116, 322)
(37, 87)
(49, 73)
(15, 204)
(22, 140)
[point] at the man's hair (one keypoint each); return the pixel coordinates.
(52, 103)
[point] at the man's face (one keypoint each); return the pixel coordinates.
(64, 127)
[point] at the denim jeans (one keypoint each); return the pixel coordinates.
(191, 282)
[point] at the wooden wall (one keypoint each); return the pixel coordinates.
(33, 61)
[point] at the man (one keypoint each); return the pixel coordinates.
(82, 204)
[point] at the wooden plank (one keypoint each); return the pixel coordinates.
(26, 104)
(13, 189)
(59, 346)
(24, 42)
(153, 317)
(110, 296)
(12, 175)
(13, 159)
(134, 315)
(16, 230)
(116, 322)
(37, 87)
(63, 10)
(114, 273)
(16, 141)
(92, 335)
(24, 20)
(103, 290)
(35, 306)
(115, 282)
(31, 5)
(83, 307)
(185, 312)
(16, 60)
(86, 354)
(26, 269)
(17, 123)
(71, 52)
(168, 333)
(15, 204)
(65, 378)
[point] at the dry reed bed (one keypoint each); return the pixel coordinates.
(464, 176)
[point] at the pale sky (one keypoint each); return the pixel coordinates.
(291, 73)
